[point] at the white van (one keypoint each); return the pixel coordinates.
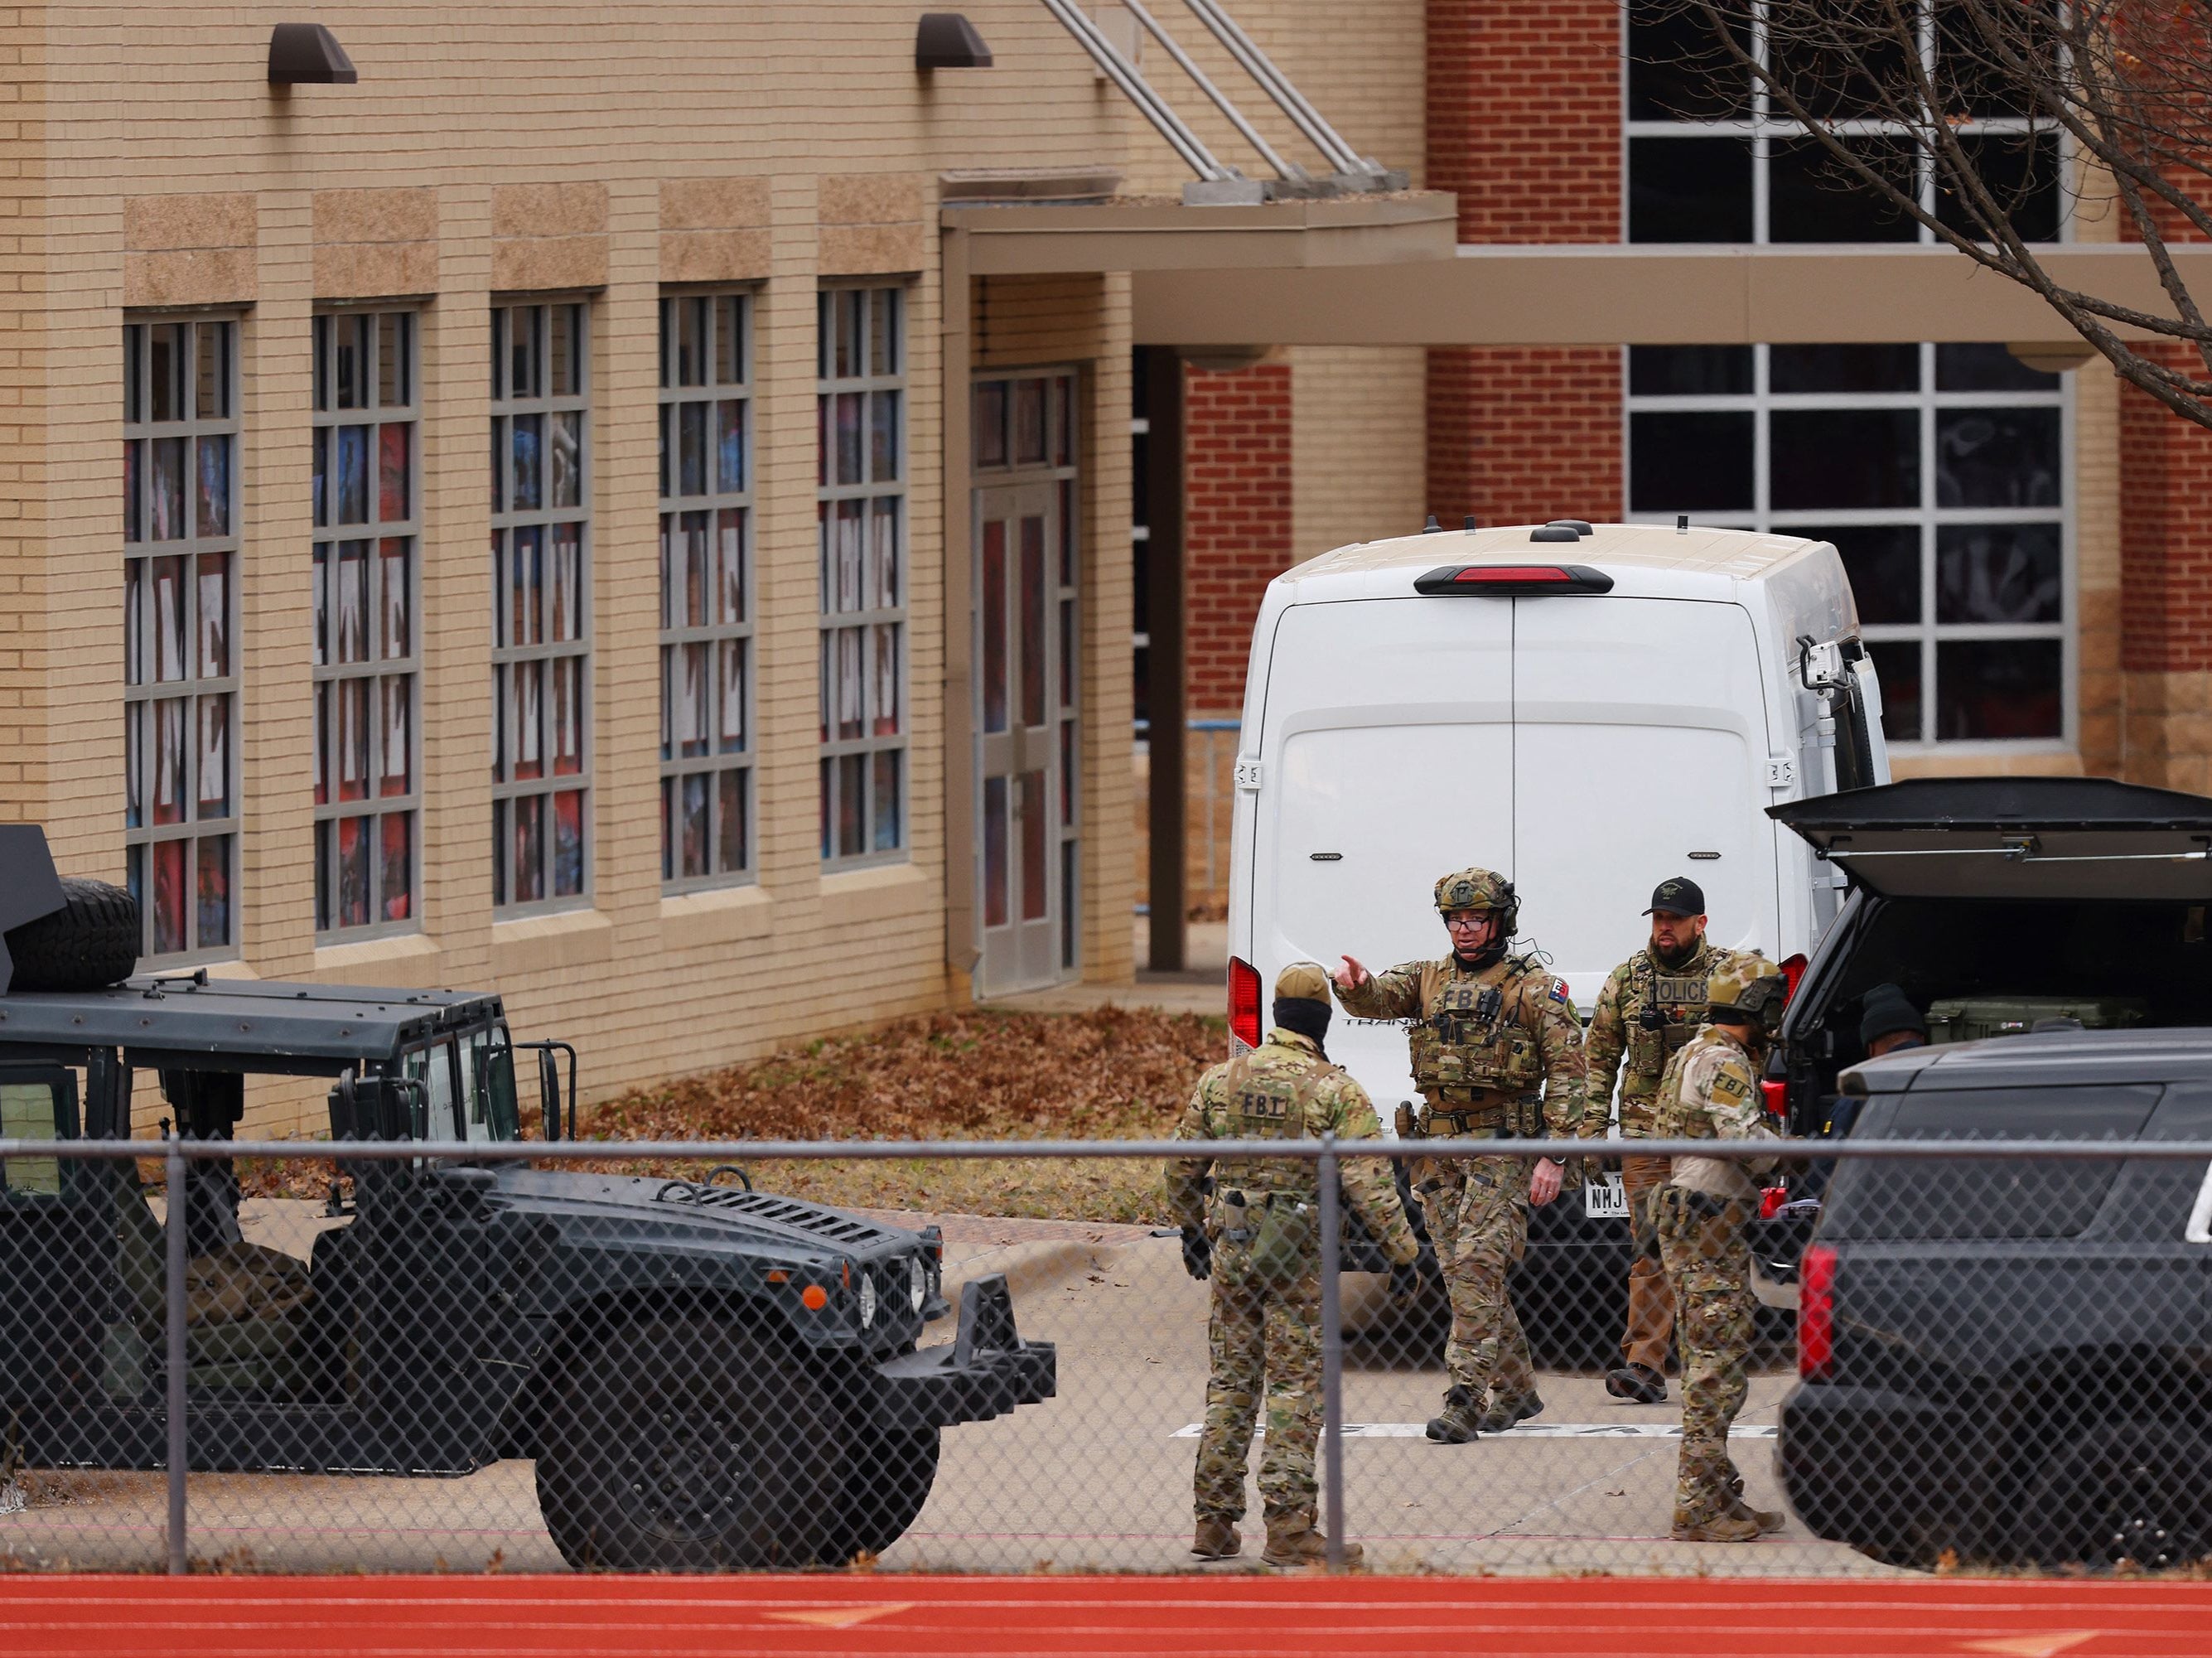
(1588, 709)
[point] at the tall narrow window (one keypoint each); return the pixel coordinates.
(706, 589)
(366, 647)
(180, 811)
(541, 605)
(861, 409)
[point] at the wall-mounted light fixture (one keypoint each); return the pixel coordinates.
(946, 40)
(307, 54)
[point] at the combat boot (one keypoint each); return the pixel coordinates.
(1458, 1424)
(1506, 1409)
(1767, 1519)
(1640, 1384)
(1292, 1543)
(1714, 1528)
(1217, 1540)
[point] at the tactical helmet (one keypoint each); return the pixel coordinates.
(1480, 888)
(1753, 987)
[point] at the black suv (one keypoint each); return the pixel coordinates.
(2008, 1361)
(708, 1376)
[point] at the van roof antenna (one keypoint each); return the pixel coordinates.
(1682, 523)
(1432, 527)
(1470, 524)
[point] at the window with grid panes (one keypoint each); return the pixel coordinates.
(1711, 159)
(366, 661)
(862, 520)
(181, 436)
(541, 605)
(706, 614)
(1941, 474)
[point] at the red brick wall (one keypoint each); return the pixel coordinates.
(1524, 117)
(1521, 434)
(2166, 536)
(1525, 122)
(1237, 522)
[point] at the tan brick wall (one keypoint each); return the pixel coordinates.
(1357, 469)
(1362, 67)
(488, 148)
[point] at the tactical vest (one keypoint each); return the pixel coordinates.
(1467, 1038)
(1266, 1105)
(1669, 1007)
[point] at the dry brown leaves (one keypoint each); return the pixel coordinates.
(1113, 1073)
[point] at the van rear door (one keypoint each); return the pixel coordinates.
(1640, 754)
(1387, 754)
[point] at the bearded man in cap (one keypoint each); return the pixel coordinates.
(1651, 1005)
(1498, 1053)
(1254, 1227)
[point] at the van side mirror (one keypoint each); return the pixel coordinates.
(548, 1092)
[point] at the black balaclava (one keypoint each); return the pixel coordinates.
(1304, 1016)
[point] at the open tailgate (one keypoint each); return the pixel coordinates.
(2013, 837)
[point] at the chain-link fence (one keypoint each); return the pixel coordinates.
(527, 1357)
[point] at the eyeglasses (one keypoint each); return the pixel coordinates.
(1468, 918)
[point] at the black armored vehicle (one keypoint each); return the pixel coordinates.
(708, 1377)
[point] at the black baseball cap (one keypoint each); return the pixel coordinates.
(1680, 896)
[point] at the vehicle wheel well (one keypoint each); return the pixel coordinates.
(586, 1322)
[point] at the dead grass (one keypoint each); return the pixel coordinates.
(1114, 1074)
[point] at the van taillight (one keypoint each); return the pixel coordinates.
(1509, 580)
(1793, 971)
(1775, 1091)
(1243, 1001)
(1816, 1313)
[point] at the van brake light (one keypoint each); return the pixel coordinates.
(1509, 580)
(1793, 974)
(1243, 1002)
(1775, 1093)
(1816, 1313)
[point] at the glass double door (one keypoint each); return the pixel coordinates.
(1026, 772)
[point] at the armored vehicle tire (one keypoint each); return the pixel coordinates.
(690, 1442)
(2139, 1492)
(888, 1479)
(90, 942)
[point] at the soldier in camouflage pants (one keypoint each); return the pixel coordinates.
(1711, 1092)
(1256, 1234)
(1497, 1052)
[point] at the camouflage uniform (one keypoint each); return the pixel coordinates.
(1711, 1092)
(1497, 1052)
(1647, 1011)
(1265, 1325)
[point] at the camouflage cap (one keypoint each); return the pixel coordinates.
(1301, 982)
(1473, 889)
(1752, 986)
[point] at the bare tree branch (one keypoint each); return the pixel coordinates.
(1983, 99)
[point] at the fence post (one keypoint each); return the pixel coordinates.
(1331, 1355)
(174, 1285)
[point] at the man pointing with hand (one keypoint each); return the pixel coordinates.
(1496, 1054)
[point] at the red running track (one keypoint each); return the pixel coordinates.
(892, 1617)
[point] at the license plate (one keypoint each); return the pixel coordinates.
(1606, 1199)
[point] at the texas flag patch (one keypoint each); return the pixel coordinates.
(1558, 990)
